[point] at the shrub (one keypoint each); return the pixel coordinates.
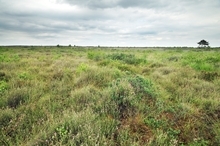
(126, 58)
(202, 66)
(24, 76)
(174, 58)
(82, 68)
(3, 86)
(153, 122)
(123, 95)
(2, 75)
(5, 118)
(97, 56)
(128, 93)
(142, 87)
(17, 98)
(4, 58)
(209, 76)
(99, 77)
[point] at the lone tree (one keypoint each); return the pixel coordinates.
(203, 43)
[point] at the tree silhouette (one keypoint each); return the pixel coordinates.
(203, 43)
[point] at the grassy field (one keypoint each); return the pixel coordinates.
(109, 96)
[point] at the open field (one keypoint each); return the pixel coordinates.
(115, 96)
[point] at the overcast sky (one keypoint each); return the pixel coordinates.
(109, 22)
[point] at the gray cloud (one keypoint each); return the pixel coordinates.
(119, 3)
(110, 22)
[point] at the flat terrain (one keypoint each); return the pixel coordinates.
(109, 96)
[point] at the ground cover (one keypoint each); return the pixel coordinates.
(109, 96)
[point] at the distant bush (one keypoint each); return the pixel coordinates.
(9, 58)
(127, 58)
(201, 61)
(212, 59)
(174, 58)
(97, 56)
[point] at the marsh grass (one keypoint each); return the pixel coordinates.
(109, 96)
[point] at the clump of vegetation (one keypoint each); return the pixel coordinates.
(95, 55)
(202, 61)
(2, 75)
(209, 76)
(129, 92)
(126, 58)
(3, 86)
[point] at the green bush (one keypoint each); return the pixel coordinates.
(3, 86)
(24, 76)
(128, 93)
(142, 87)
(5, 118)
(126, 58)
(153, 122)
(2, 76)
(97, 56)
(209, 76)
(201, 61)
(17, 98)
(82, 68)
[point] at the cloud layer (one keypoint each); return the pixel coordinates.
(109, 22)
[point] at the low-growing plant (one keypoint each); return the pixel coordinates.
(82, 68)
(104, 62)
(3, 86)
(5, 118)
(4, 58)
(127, 93)
(142, 87)
(174, 58)
(97, 56)
(201, 61)
(209, 76)
(99, 77)
(23, 76)
(2, 76)
(199, 142)
(17, 98)
(123, 96)
(154, 123)
(202, 66)
(173, 133)
(124, 67)
(126, 58)
(62, 132)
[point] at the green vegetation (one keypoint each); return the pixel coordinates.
(109, 96)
